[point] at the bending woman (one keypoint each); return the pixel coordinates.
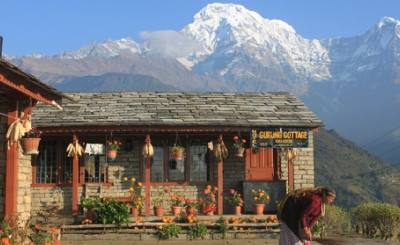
(300, 211)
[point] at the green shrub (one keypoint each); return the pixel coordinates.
(169, 231)
(379, 220)
(336, 220)
(108, 211)
(197, 231)
(222, 226)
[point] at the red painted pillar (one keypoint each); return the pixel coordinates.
(290, 174)
(11, 176)
(147, 177)
(75, 181)
(220, 185)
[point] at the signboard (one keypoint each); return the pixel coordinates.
(279, 138)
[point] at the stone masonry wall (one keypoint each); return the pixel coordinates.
(303, 166)
(128, 164)
(3, 148)
(24, 186)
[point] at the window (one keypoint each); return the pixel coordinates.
(198, 163)
(66, 166)
(166, 169)
(94, 163)
(157, 165)
(94, 168)
(46, 165)
(176, 168)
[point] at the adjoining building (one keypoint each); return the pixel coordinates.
(279, 152)
(19, 93)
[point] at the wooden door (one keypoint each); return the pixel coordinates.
(259, 165)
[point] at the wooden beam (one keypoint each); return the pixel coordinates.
(75, 180)
(11, 175)
(21, 88)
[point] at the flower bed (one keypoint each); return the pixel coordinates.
(208, 227)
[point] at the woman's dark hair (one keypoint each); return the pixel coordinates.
(321, 191)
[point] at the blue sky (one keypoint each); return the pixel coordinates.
(52, 26)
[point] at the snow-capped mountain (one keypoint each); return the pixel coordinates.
(377, 48)
(230, 35)
(106, 49)
(352, 83)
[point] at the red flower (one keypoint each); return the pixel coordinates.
(235, 138)
(232, 191)
(244, 141)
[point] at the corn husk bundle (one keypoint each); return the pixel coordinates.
(148, 149)
(220, 150)
(74, 149)
(15, 132)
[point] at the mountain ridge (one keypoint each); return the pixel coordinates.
(352, 83)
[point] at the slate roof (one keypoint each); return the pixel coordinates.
(179, 108)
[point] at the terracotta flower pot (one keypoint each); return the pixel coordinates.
(178, 153)
(191, 211)
(30, 146)
(112, 154)
(259, 208)
(209, 209)
(238, 210)
(134, 212)
(176, 210)
(239, 152)
(159, 211)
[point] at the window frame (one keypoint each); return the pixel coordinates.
(60, 180)
(187, 167)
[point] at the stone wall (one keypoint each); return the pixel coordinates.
(3, 148)
(24, 186)
(128, 165)
(47, 197)
(303, 166)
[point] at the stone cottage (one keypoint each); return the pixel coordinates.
(279, 155)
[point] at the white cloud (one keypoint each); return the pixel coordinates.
(169, 43)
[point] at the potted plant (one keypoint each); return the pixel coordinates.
(136, 198)
(158, 202)
(112, 148)
(176, 204)
(30, 142)
(235, 198)
(191, 206)
(260, 198)
(238, 145)
(89, 206)
(178, 152)
(210, 200)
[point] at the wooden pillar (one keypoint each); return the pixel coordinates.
(11, 175)
(220, 185)
(290, 174)
(75, 180)
(147, 177)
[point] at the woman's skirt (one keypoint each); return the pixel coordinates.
(287, 237)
